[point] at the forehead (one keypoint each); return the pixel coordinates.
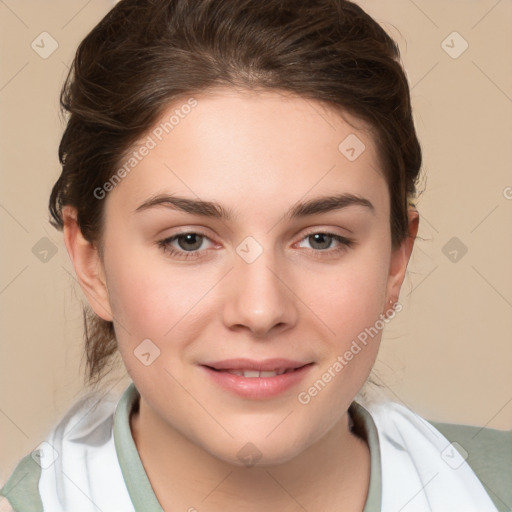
(234, 144)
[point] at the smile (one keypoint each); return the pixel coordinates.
(251, 374)
(257, 380)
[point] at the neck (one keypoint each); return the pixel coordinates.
(332, 474)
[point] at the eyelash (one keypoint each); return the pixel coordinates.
(167, 248)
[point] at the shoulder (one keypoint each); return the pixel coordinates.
(21, 489)
(476, 457)
(83, 433)
(489, 454)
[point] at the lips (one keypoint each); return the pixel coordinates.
(250, 368)
(257, 379)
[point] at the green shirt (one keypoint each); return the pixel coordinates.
(489, 455)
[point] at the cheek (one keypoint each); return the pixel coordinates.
(150, 304)
(350, 297)
(149, 299)
(153, 299)
(351, 306)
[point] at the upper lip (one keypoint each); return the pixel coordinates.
(251, 364)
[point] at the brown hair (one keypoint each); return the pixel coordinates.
(145, 54)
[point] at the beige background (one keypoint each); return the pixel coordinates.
(447, 355)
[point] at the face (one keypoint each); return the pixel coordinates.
(269, 279)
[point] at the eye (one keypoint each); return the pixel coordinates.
(188, 245)
(321, 242)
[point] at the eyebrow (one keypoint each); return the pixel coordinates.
(215, 210)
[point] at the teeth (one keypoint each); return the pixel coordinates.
(251, 374)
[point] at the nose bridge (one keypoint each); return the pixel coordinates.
(258, 299)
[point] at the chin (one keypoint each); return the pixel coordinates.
(258, 451)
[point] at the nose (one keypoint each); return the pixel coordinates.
(259, 297)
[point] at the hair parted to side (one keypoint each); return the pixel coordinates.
(145, 54)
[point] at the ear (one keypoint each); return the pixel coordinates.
(88, 265)
(400, 257)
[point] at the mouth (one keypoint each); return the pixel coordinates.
(257, 379)
(251, 368)
(252, 374)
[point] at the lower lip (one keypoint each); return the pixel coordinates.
(258, 388)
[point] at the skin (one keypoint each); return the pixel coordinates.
(257, 153)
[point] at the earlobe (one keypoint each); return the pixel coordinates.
(400, 257)
(88, 265)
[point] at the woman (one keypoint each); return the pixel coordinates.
(237, 200)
